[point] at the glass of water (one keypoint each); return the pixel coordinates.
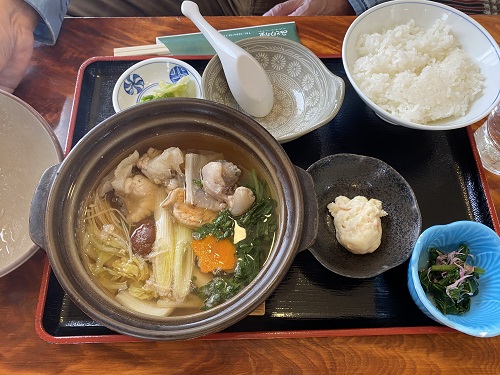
(487, 138)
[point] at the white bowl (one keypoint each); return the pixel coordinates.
(474, 39)
(142, 79)
(29, 146)
(306, 94)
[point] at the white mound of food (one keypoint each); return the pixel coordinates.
(357, 223)
(419, 75)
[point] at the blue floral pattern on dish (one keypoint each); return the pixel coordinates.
(133, 84)
(177, 72)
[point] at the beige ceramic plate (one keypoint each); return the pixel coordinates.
(28, 147)
(306, 94)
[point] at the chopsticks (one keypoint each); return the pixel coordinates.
(151, 49)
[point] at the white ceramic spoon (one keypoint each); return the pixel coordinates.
(247, 79)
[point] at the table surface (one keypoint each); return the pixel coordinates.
(49, 87)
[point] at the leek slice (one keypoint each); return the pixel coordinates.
(142, 306)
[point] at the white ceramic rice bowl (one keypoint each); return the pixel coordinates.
(474, 39)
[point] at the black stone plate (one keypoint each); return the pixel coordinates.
(352, 175)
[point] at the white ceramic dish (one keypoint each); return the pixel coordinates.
(142, 79)
(474, 39)
(306, 94)
(29, 146)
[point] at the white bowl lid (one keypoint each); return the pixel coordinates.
(28, 147)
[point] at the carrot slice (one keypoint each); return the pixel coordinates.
(214, 255)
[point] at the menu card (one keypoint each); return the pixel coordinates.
(196, 44)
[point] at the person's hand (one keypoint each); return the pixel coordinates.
(311, 8)
(17, 23)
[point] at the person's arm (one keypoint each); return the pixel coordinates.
(360, 6)
(20, 23)
(311, 8)
(321, 7)
(51, 14)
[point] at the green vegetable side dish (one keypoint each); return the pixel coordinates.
(450, 280)
(169, 90)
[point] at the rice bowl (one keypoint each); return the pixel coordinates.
(476, 42)
(396, 66)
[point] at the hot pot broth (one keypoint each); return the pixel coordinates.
(197, 255)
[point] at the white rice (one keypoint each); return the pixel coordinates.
(416, 74)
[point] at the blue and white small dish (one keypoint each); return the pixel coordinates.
(143, 78)
(483, 318)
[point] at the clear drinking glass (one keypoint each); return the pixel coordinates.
(488, 141)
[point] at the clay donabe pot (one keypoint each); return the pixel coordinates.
(57, 206)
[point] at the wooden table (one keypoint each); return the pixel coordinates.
(49, 87)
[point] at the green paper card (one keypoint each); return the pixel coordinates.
(196, 44)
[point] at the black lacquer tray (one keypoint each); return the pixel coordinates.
(440, 166)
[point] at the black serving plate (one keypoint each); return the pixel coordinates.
(440, 166)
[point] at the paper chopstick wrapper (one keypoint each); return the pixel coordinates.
(196, 44)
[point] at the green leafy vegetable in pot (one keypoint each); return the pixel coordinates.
(450, 280)
(259, 224)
